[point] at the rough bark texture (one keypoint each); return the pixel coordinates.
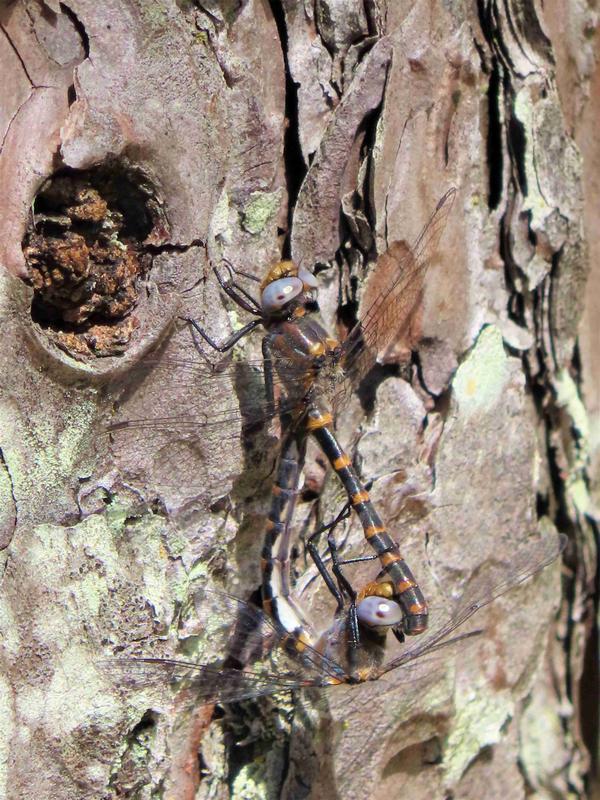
(143, 141)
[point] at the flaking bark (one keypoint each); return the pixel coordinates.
(233, 131)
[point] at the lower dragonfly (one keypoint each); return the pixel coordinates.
(268, 659)
(307, 375)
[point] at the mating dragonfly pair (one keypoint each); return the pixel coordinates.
(307, 375)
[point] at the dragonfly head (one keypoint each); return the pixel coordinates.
(284, 287)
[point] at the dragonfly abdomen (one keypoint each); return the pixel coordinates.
(276, 592)
(406, 588)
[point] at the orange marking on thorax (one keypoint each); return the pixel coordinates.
(316, 349)
(300, 641)
(373, 530)
(417, 608)
(304, 639)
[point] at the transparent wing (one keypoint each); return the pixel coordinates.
(236, 393)
(206, 684)
(250, 632)
(400, 273)
(387, 316)
(176, 415)
(244, 633)
(492, 581)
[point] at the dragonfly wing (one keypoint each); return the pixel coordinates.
(392, 304)
(205, 684)
(252, 634)
(176, 415)
(240, 631)
(492, 581)
(216, 401)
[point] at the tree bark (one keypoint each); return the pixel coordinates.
(143, 142)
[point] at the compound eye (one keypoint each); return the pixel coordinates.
(377, 611)
(308, 278)
(278, 294)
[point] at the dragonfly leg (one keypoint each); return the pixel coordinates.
(406, 589)
(360, 559)
(357, 560)
(238, 271)
(320, 564)
(229, 342)
(346, 587)
(343, 586)
(237, 293)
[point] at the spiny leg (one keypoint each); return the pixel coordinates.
(336, 590)
(344, 587)
(344, 583)
(238, 271)
(230, 341)
(237, 293)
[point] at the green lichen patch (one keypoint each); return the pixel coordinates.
(480, 380)
(541, 738)
(480, 717)
(77, 685)
(260, 209)
(262, 777)
(42, 457)
(569, 399)
(220, 226)
(6, 733)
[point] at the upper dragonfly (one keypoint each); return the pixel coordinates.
(307, 374)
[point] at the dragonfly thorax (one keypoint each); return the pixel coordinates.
(301, 349)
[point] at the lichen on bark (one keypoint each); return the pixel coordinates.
(326, 131)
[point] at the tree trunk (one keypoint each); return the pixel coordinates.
(144, 142)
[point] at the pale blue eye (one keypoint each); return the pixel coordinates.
(374, 611)
(279, 293)
(308, 278)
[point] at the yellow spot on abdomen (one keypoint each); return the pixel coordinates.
(341, 462)
(312, 423)
(404, 586)
(359, 497)
(373, 530)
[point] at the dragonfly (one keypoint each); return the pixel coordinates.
(266, 661)
(307, 374)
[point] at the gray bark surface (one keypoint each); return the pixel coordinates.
(144, 141)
